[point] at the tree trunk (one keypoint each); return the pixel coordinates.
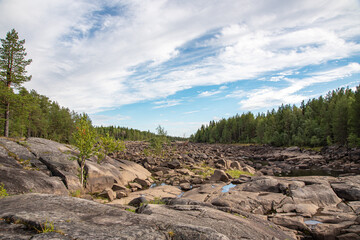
(82, 172)
(7, 117)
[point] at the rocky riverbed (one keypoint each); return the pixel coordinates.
(184, 191)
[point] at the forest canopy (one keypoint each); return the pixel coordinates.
(333, 119)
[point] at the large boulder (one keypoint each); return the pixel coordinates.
(80, 219)
(348, 188)
(59, 159)
(19, 181)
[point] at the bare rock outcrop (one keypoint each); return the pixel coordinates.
(75, 218)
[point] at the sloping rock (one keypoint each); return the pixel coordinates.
(82, 219)
(348, 188)
(19, 181)
(209, 223)
(319, 194)
(59, 159)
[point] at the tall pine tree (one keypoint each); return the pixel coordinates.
(12, 70)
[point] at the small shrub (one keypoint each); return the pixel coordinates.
(131, 210)
(76, 193)
(171, 234)
(157, 200)
(3, 192)
(47, 227)
(107, 145)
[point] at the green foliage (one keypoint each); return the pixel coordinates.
(236, 173)
(3, 192)
(158, 141)
(12, 71)
(205, 171)
(108, 145)
(157, 200)
(131, 210)
(333, 119)
(84, 140)
(47, 227)
(76, 193)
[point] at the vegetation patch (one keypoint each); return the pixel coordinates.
(205, 171)
(157, 200)
(237, 173)
(3, 192)
(47, 227)
(131, 210)
(76, 193)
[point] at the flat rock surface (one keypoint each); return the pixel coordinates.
(150, 194)
(76, 218)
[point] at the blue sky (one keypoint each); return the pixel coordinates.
(181, 64)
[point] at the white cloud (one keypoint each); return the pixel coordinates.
(269, 97)
(167, 103)
(191, 112)
(89, 60)
(208, 93)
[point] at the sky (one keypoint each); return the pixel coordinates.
(181, 64)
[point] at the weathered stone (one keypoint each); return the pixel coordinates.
(108, 193)
(143, 182)
(219, 175)
(305, 210)
(174, 164)
(348, 236)
(262, 184)
(135, 185)
(185, 186)
(121, 194)
(19, 181)
(235, 165)
(164, 191)
(318, 194)
(348, 189)
(158, 173)
(211, 223)
(98, 177)
(325, 231)
(136, 202)
(292, 222)
(118, 187)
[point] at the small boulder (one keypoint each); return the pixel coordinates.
(235, 165)
(185, 186)
(219, 175)
(109, 194)
(121, 194)
(137, 202)
(174, 164)
(135, 185)
(143, 182)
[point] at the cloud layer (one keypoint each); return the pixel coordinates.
(97, 55)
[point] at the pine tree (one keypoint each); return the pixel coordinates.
(12, 69)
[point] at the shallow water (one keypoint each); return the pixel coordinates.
(226, 188)
(312, 222)
(156, 184)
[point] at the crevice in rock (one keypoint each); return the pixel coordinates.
(54, 171)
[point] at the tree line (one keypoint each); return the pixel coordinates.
(27, 114)
(129, 134)
(333, 119)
